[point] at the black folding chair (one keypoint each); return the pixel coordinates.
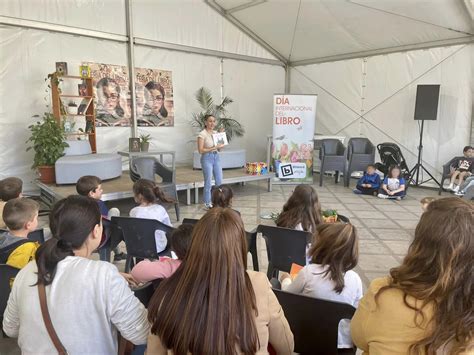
(112, 237)
(139, 237)
(190, 221)
(284, 247)
(314, 322)
(37, 236)
(7, 273)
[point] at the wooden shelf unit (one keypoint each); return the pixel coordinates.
(60, 107)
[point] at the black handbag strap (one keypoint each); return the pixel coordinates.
(47, 321)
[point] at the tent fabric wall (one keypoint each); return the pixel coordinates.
(375, 97)
(27, 56)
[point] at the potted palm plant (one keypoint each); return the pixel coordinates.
(145, 142)
(48, 142)
(232, 127)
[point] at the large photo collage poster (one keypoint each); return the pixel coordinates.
(154, 96)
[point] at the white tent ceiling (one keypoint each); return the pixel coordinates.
(310, 31)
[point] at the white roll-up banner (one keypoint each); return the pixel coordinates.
(294, 119)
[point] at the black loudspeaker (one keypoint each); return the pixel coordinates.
(426, 107)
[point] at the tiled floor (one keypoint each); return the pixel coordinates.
(385, 227)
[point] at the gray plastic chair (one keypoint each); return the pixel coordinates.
(447, 172)
(333, 158)
(147, 167)
(360, 153)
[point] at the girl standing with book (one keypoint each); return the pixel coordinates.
(210, 160)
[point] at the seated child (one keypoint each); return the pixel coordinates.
(302, 211)
(91, 186)
(149, 196)
(468, 184)
(425, 201)
(393, 185)
(21, 217)
(147, 270)
(222, 196)
(10, 188)
(462, 168)
(369, 183)
(334, 254)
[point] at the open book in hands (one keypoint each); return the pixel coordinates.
(220, 138)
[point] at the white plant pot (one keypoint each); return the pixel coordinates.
(72, 110)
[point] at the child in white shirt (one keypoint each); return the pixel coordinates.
(149, 196)
(334, 253)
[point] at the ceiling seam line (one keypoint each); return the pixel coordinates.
(294, 32)
(410, 18)
(384, 51)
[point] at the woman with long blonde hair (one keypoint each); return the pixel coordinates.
(426, 305)
(211, 304)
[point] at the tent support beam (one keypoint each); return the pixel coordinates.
(131, 65)
(405, 48)
(52, 27)
(81, 32)
(245, 6)
(204, 51)
(287, 79)
(245, 30)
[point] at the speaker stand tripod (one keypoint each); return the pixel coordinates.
(419, 165)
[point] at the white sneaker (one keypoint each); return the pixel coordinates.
(450, 187)
(207, 206)
(382, 196)
(456, 189)
(398, 198)
(459, 193)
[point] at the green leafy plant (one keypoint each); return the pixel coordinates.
(232, 127)
(329, 213)
(47, 140)
(145, 138)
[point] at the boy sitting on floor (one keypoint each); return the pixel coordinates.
(369, 183)
(463, 168)
(10, 188)
(21, 217)
(91, 186)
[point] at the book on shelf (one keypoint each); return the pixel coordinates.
(220, 138)
(85, 103)
(61, 68)
(82, 89)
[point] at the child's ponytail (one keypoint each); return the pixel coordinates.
(149, 192)
(160, 195)
(222, 196)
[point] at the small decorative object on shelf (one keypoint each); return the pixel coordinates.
(256, 168)
(72, 108)
(85, 71)
(330, 216)
(145, 142)
(134, 144)
(61, 68)
(82, 88)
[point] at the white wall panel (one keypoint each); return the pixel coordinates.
(26, 57)
(191, 23)
(99, 15)
(252, 87)
(388, 97)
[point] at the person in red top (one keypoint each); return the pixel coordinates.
(147, 270)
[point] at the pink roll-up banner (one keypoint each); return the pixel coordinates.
(294, 119)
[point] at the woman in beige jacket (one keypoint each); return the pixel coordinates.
(211, 304)
(426, 305)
